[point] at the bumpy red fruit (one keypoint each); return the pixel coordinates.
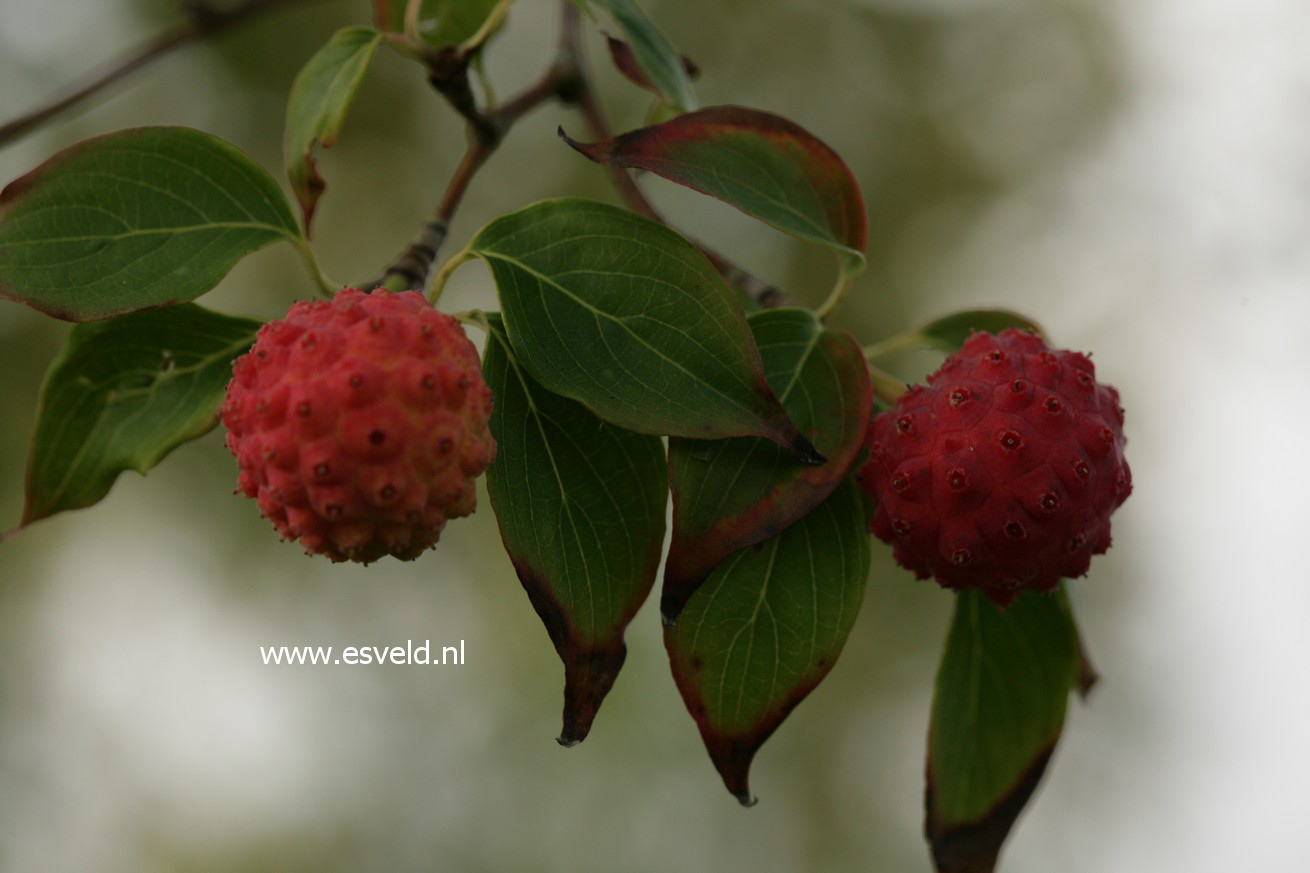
(360, 424)
(1001, 473)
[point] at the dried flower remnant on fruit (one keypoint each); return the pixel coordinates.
(1002, 472)
(360, 423)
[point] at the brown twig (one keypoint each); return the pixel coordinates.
(567, 81)
(204, 21)
(598, 129)
(562, 81)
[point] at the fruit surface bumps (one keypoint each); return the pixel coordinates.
(1001, 473)
(360, 423)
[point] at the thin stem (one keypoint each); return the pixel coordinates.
(203, 22)
(565, 80)
(325, 286)
(486, 131)
(443, 275)
(886, 387)
(475, 317)
(483, 33)
(891, 344)
(598, 128)
(836, 295)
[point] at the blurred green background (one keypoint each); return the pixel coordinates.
(1132, 174)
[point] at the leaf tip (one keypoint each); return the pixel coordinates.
(745, 798)
(975, 846)
(573, 143)
(805, 452)
(598, 152)
(1087, 677)
(588, 677)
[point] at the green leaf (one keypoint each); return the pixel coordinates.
(763, 164)
(729, 494)
(123, 394)
(623, 315)
(947, 334)
(451, 22)
(580, 505)
(766, 627)
(320, 98)
(655, 55)
(1002, 690)
(133, 220)
(625, 61)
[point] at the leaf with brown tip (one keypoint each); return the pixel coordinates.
(316, 110)
(766, 627)
(580, 504)
(998, 711)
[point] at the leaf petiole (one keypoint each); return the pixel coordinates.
(837, 295)
(886, 387)
(325, 286)
(443, 274)
(892, 344)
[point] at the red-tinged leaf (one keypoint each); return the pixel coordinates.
(766, 627)
(320, 98)
(580, 504)
(626, 62)
(659, 61)
(730, 494)
(1002, 691)
(765, 165)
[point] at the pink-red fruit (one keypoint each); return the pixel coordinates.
(1001, 473)
(360, 424)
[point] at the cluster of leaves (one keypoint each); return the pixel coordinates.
(613, 333)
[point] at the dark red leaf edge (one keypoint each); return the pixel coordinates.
(626, 63)
(589, 672)
(694, 555)
(733, 754)
(643, 149)
(590, 669)
(975, 847)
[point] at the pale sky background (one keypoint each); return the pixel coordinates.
(1134, 175)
